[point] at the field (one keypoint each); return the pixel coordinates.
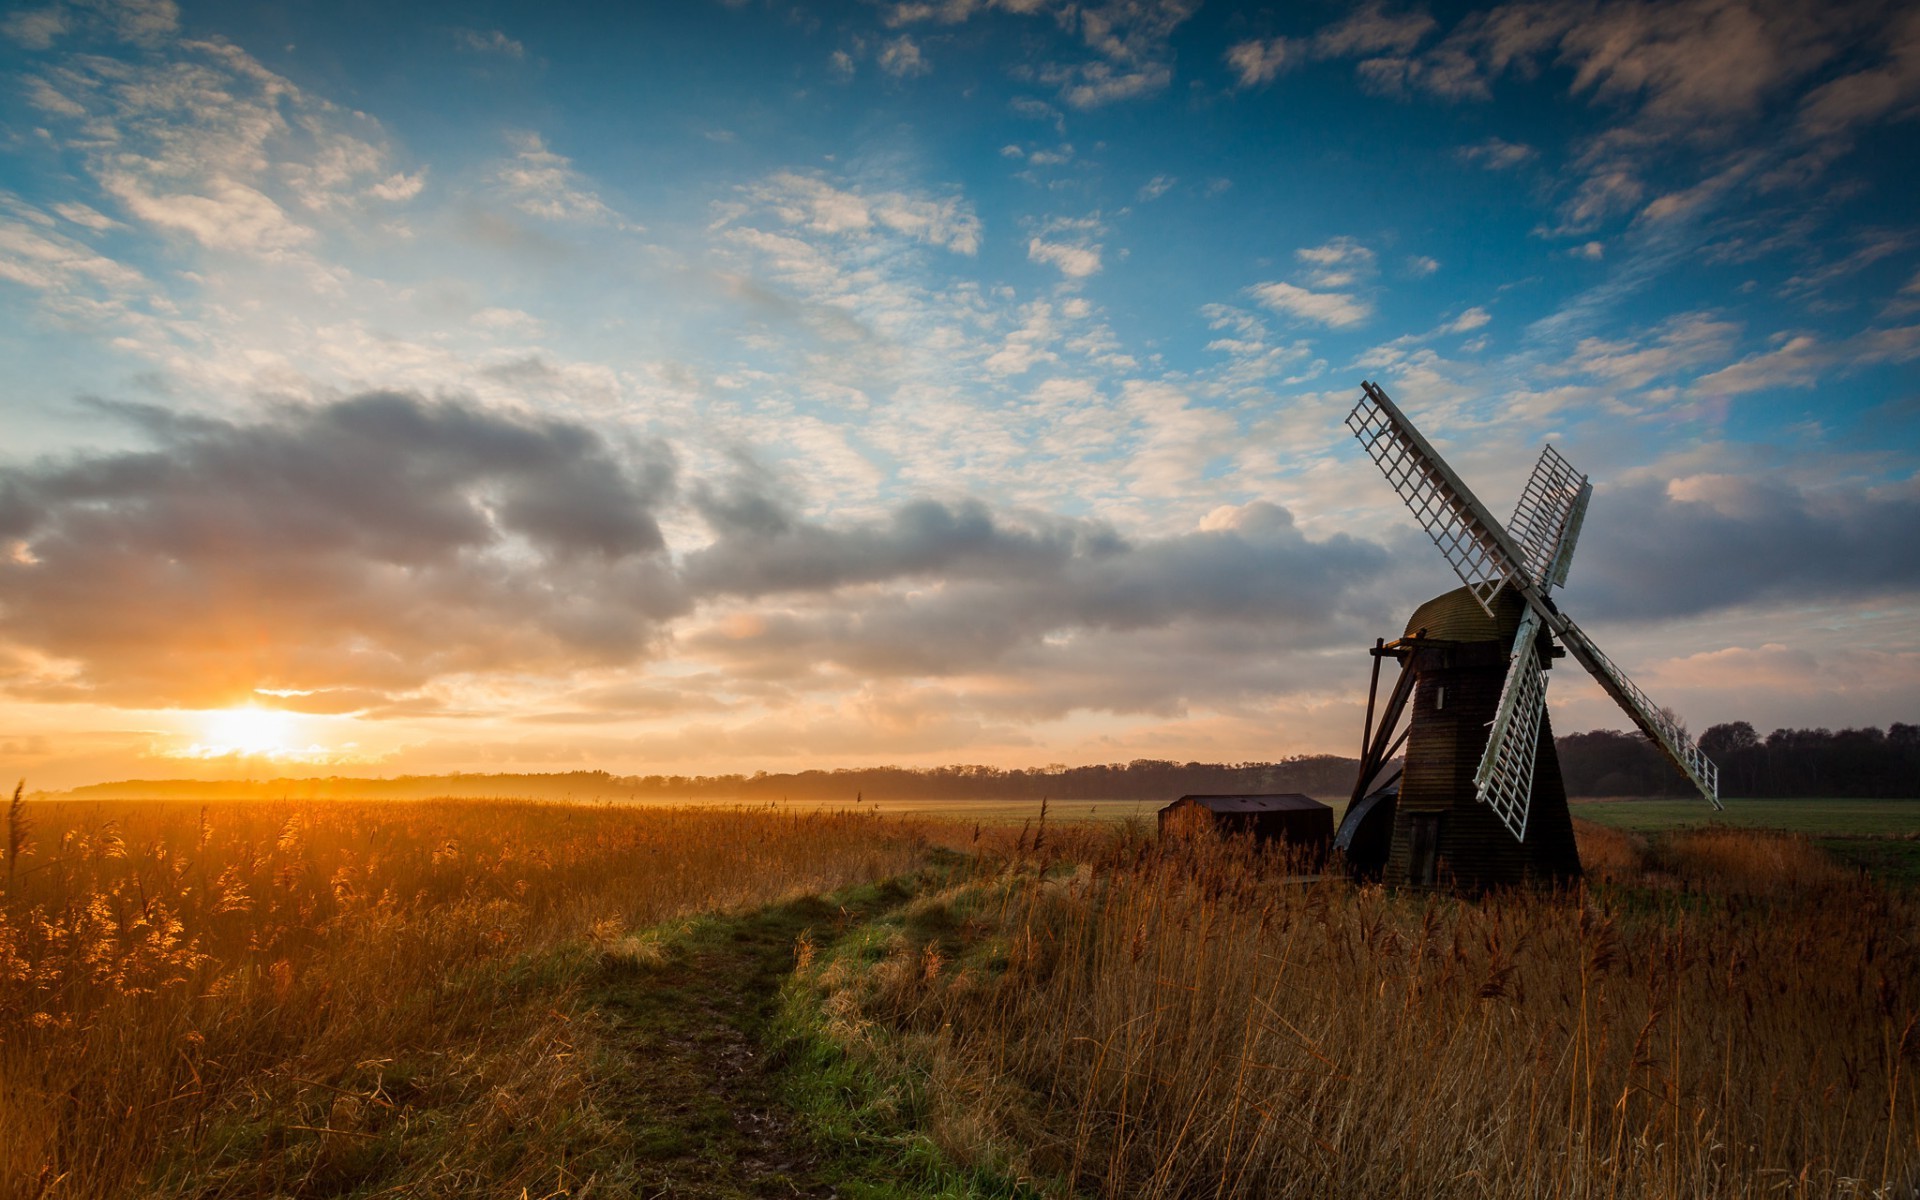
(1841, 817)
(1828, 817)
(508, 999)
(985, 811)
(1879, 836)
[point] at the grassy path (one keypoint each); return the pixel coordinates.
(701, 1094)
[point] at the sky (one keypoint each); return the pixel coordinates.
(707, 387)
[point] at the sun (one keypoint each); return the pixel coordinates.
(248, 730)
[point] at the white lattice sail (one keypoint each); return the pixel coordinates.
(1653, 721)
(1546, 521)
(1504, 780)
(1467, 535)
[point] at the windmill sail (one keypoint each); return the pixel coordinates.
(1504, 781)
(1545, 525)
(1652, 720)
(1546, 521)
(1475, 546)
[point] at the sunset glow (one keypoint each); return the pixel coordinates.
(253, 732)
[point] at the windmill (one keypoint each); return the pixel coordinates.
(1479, 801)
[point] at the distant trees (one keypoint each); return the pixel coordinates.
(1142, 779)
(1787, 762)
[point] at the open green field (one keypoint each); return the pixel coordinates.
(1879, 836)
(1818, 816)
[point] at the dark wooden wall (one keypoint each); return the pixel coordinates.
(1476, 851)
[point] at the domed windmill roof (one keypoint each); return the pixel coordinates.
(1459, 616)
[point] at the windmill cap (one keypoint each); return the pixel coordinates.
(1456, 616)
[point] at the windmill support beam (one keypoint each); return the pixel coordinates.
(1373, 690)
(1379, 750)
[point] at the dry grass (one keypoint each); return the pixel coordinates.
(259, 998)
(1719, 1014)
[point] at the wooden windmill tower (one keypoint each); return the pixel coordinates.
(1480, 802)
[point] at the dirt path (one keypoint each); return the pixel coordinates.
(702, 1100)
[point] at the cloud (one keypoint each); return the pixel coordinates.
(1420, 265)
(812, 203)
(375, 543)
(1368, 30)
(543, 184)
(42, 259)
(1027, 345)
(1601, 195)
(491, 41)
(1129, 40)
(1884, 89)
(1068, 244)
(199, 139)
(35, 29)
(1130, 31)
(87, 216)
(1874, 245)
(357, 555)
(1683, 343)
(1009, 593)
(945, 12)
(1496, 154)
(1075, 262)
(1097, 84)
(140, 22)
(1256, 62)
(1687, 61)
(1336, 310)
(901, 58)
(1693, 544)
(1800, 360)
(1155, 188)
(1339, 264)
(1372, 30)
(763, 547)
(1473, 318)
(1697, 74)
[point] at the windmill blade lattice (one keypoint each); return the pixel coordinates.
(1652, 720)
(1471, 540)
(1504, 780)
(1546, 521)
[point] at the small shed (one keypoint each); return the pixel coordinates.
(1300, 821)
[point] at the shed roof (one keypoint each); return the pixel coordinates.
(1279, 802)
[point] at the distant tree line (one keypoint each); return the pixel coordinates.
(1787, 762)
(1141, 779)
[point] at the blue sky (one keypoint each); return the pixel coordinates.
(706, 386)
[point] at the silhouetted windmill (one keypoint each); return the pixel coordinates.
(1480, 801)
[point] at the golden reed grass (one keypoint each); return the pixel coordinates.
(1717, 1014)
(237, 999)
